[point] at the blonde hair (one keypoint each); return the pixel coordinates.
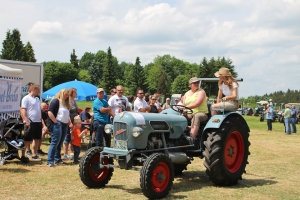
(230, 80)
(64, 102)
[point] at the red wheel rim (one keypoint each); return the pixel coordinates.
(234, 151)
(96, 173)
(160, 177)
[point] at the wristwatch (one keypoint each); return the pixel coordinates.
(24, 122)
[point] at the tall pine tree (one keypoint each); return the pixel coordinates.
(13, 48)
(74, 60)
(108, 77)
(30, 53)
(137, 79)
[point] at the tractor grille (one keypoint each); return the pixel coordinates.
(159, 125)
(120, 131)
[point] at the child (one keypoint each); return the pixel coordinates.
(12, 139)
(76, 138)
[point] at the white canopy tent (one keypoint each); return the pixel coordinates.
(10, 92)
(10, 72)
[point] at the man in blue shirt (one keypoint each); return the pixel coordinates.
(101, 111)
(293, 118)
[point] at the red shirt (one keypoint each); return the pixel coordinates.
(76, 139)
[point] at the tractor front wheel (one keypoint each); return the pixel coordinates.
(157, 175)
(89, 169)
(226, 152)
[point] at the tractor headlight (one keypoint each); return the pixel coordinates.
(108, 128)
(136, 131)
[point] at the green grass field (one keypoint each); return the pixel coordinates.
(272, 173)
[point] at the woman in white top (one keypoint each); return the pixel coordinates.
(229, 87)
(59, 115)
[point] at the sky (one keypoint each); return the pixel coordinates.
(262, 38)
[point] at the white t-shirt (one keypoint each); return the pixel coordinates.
(117, 102)
(139, 103)
(227, 92)
(33, 108)
(63, 114)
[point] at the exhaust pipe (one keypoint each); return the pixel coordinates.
(179, 157)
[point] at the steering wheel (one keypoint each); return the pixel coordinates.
(180, 109)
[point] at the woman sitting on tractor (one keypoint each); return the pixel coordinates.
(229, 87)
(195, 99)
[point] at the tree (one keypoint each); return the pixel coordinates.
(29, 53)
(13, 48)
(180, 84)
(162, 86)
(86, 60)
(127, 76)
(74, 60)
(171, 65)
(57, 73)
(136, 77)
(96, 67)
(153, 77)
(108, 79)
(83, 75)
(120, 69)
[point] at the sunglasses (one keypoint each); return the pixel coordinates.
(140, 93)
(153, 99)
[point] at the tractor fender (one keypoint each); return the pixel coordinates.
(217, 120)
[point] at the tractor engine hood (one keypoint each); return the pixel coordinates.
(150, 123)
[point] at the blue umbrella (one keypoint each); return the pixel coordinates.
(85, 91)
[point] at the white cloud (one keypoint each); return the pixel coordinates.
(45, 31)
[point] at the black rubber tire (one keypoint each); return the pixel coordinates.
(89, 171)
(153, 188)
(178, 168)
(224, 168)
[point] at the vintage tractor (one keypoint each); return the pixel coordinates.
(158, 146)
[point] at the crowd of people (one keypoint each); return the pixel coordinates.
(65, 126)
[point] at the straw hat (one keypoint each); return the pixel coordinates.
(193, 80)
(223, 72)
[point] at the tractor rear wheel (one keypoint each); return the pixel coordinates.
(226, 152)
(89, 169)
(157, 175)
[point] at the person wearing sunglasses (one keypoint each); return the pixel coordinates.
(118, 102)
(140, 105)
(153, 108)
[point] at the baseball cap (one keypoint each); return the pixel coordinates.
(168, 99)
(100, 90)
